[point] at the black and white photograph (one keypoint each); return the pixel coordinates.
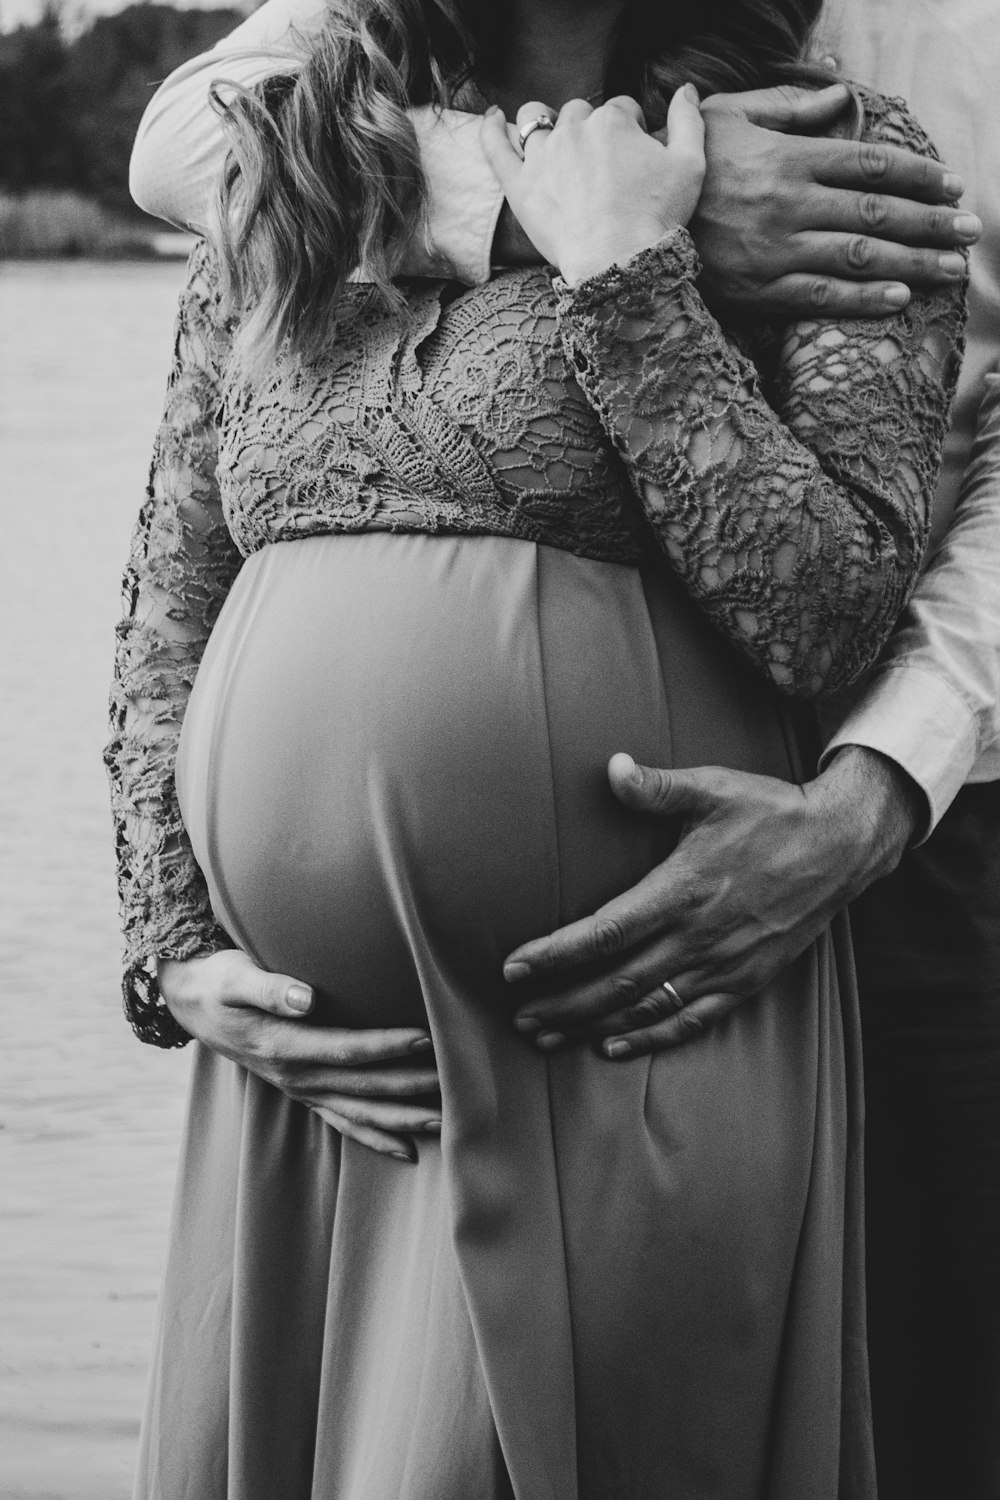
(500, 750)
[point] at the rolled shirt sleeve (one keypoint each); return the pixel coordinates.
(180, 146)
(932, 704)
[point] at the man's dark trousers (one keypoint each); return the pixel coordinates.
(927, 941)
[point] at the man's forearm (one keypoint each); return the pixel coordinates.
(181, 145)
(933, 703)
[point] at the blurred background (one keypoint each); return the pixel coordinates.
(89, 1118)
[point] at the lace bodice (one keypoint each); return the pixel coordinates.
(615, 419)
(458, 414)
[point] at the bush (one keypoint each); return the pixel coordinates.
(70, 101)
(47, 223)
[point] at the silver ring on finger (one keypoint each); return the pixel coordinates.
(676, 1003)
(540, 122)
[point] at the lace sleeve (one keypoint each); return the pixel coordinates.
(798, 528)
(181, 566)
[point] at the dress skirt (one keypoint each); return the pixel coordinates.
(611, 1281)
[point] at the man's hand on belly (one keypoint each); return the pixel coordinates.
(351, 1079)
(759, 869)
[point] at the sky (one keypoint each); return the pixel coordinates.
(14, 12)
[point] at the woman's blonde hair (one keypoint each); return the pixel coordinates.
(324, 174)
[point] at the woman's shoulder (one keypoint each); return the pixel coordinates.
(202, 291)
(889, 121)
(204, 328)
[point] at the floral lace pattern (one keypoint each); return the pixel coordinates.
(181, 566)
(458, 415)
(614, 419)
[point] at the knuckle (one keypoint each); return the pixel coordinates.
(230, 975)
(265, 1051)
(651, 1008)
(686, 900)
(624, 991)
(819, 293)
(696, 894)
(859, 252)
(265, 994)
(784, 196)
(689, 157)
(689, 1024)
(874, 160)
(873, 210)
(348, 1113)
(608, 937)
(661, 786)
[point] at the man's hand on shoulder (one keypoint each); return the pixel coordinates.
(793, 223)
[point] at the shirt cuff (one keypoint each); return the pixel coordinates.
(914, 718)
(464, 198)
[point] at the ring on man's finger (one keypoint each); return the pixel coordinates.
(676, 1003)
(540, 122)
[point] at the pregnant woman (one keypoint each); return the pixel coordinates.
(415, 562)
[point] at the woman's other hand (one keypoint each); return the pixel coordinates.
(597, 189)
(352, 1079)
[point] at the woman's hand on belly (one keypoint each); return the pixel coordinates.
(352, 1079)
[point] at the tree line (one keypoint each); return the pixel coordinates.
(70, 105)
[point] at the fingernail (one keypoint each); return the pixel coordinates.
(968, 226)
(549, 1040)
(896, 296)
(952, 264)
(404, 1156)
(422, 1044)
(298, 997)
(692, 94)
(516, 970)
(527, 1024)
(432, 1125)
(494, 109)
(954, 185)
(617, 1047)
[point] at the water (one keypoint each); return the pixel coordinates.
(89, 1118)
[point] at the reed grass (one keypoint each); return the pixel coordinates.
(46, 223)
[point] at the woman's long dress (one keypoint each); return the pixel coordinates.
(634, 1280)
(612, 1281)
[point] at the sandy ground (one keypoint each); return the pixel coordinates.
(89, 1118)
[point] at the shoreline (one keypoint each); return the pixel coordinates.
(47, 225)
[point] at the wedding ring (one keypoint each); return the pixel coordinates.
(540, 122)
(675, 1000)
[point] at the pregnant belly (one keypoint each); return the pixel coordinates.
(395, 753)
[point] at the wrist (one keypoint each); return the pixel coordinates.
(616, 248)
(875, 808)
